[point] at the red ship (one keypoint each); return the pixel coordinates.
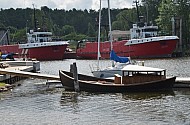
(144, 43)
(39, 46)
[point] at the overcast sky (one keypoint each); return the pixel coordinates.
(65, 4)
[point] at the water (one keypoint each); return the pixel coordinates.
(34, 103)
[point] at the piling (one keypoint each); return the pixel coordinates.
(75, 76)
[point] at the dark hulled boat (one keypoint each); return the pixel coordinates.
(134, 79)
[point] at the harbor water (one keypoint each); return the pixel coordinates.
(35, 103)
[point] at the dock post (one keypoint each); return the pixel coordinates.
(75, 76)
(71, 68)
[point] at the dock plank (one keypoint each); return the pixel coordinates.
(18, 72)
(183, 79)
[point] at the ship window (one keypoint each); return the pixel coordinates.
(150, 30)
(41, 40)
(43, 35)
(138, 31)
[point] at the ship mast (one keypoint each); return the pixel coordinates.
(136, 4)
(35, 25)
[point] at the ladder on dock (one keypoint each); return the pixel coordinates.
(29, 74)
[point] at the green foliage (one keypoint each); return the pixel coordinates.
(124, 20)
(2, 25)
(91, 31)
(67, 29)
(74, 36)
(19, 36)
(166, 11)
(150, 10)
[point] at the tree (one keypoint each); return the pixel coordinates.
(20, 36)
(166, 12)
(125, 19)
(150, 9)
(67, 29)
(91, 31)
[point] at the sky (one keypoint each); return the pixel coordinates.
(65, 4)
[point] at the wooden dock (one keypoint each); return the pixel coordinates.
(182, 82)
(18, 72)
(25, 71)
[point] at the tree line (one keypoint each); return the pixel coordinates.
(82, 24)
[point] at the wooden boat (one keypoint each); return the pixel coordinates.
(134, 78)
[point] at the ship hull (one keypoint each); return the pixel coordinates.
(40, 53)
(154, 49)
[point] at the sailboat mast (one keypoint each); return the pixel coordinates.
(109, 18)
(99, 26)
(110, 32)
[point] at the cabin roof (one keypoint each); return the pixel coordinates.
(138, 68)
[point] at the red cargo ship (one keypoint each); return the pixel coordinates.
(144, 43)
(39, 46)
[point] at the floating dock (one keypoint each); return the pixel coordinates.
(17, 72)
(14, 66)
(182, 82)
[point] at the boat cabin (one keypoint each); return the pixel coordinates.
(143, 32)
(38, 37)
(139, 74)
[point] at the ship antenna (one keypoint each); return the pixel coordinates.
(136, 4)
(35, 27)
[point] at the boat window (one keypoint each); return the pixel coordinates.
(150, 30)
(138, 31)
(43, 35)
(147, 35)
(41, 40)
(130, 74)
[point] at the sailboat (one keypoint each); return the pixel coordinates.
(120, 61)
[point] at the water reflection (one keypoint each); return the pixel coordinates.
(68, 98)
(146, 95)
(182, 91)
